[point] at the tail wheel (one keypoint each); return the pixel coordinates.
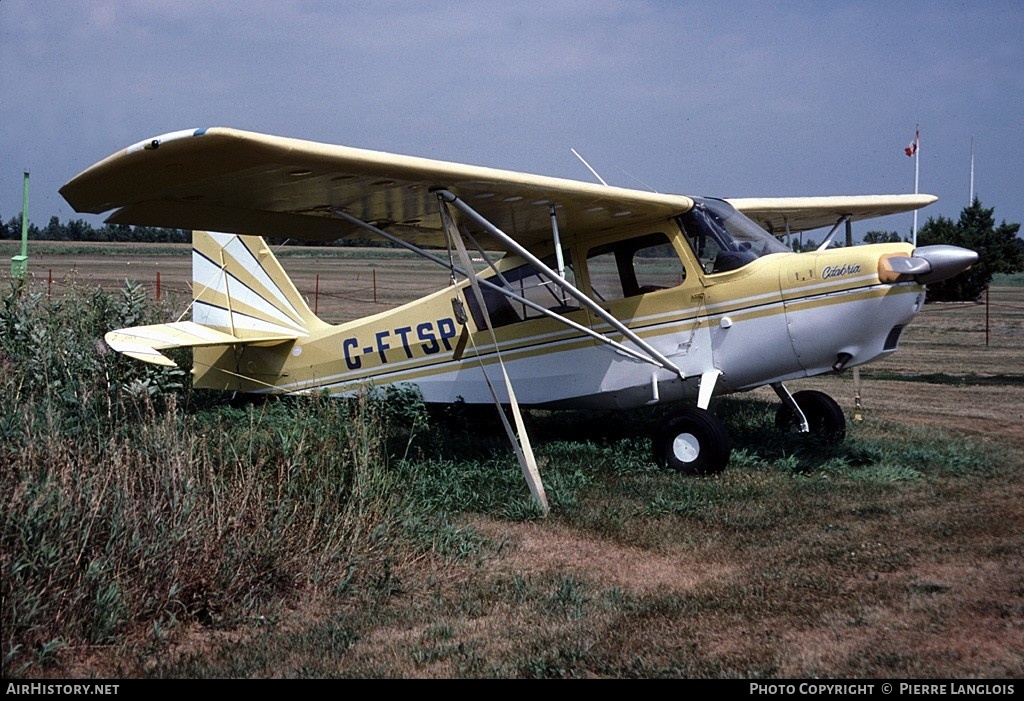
(825, 417)
(692, 441)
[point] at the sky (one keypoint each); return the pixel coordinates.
(729, 99)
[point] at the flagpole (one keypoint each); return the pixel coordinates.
(917, 173)
(971, 203)
(914, 152)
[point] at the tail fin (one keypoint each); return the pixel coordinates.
(241, 289)
(242, 296)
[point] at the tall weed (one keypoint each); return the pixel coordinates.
(128, 505)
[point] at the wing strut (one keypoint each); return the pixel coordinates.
(625, 350)
(519, 438)
(656, 356)
(559, 258)
(832, 232)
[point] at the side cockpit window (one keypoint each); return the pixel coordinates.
(633, 267)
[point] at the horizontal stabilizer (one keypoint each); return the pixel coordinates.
(145, 342)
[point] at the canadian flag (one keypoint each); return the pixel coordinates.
(911, 150)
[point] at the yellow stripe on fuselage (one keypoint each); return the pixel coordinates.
(649, 326)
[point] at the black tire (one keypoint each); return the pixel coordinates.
(825, 417)
(692, 441)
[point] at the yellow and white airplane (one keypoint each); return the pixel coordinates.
(604, 297)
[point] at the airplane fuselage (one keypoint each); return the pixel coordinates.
(780, 317)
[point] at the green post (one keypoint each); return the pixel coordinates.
(19, 264)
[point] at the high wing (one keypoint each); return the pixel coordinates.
(775, 214)
(247, 183)
(242, 182)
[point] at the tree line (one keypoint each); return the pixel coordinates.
(1000, 248)
(80, 230)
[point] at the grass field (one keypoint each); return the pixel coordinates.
(350, 280)
(898, 555)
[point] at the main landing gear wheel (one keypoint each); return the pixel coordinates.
(692, 441)
(825, 417)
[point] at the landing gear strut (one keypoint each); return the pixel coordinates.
(824, 417)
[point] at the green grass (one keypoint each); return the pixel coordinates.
(52, 248)
(134, 508)
(132, 505)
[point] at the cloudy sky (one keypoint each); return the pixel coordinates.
(735, 99)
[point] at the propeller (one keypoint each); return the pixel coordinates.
(943, 262)
(929, 264)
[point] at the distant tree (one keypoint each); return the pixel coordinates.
(13, 229)
(53, 231)
(882, 237)
(79, 230)
(1000, 250)
(809, 245)
(119, 233)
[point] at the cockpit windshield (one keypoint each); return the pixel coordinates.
(724, 239)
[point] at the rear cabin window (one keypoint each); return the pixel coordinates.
(525, 282)
(633, 267)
